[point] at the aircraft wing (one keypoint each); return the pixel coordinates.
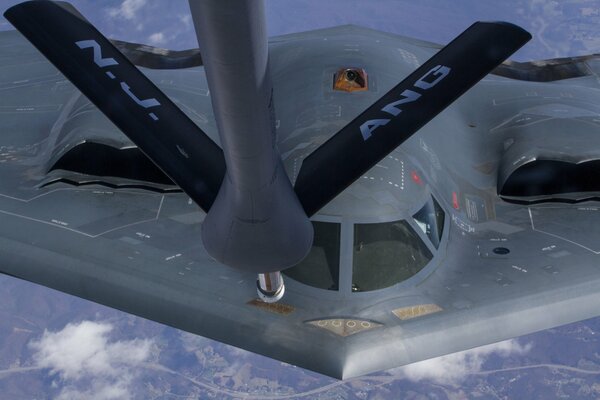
(476, 269)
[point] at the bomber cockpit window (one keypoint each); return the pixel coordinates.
(385, 254)
(430, 219)
(321, 267)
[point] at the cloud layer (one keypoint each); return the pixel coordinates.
(454, 368)
(127, 9)
(88, 364)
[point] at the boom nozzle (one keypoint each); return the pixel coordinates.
(270, 287)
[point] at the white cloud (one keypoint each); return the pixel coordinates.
(454, 368)
(97, 391)
(127, 9)
(157, 38)
(81, 355)
(186, 20)
(192, 343)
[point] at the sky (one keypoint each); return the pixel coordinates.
(106, 361)
(167, 23)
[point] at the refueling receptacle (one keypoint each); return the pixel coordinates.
(350, 79)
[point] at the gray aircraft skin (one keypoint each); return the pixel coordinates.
(419, 258)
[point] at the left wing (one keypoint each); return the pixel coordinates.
(129, 99)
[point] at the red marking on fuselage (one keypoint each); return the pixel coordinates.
(455, 201)
(415, 177)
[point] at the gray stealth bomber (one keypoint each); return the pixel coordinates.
(482, 226)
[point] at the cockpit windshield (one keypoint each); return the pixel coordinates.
(385, 254)
(430, 219)
(320, 268)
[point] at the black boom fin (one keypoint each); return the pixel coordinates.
(129, 99)
(404, 110)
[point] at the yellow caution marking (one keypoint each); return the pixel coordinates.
(277, 308)
(420, 310)
(343, 326)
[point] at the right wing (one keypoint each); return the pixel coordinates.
(404, 110)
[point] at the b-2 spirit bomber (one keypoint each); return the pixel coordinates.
(417, 199)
